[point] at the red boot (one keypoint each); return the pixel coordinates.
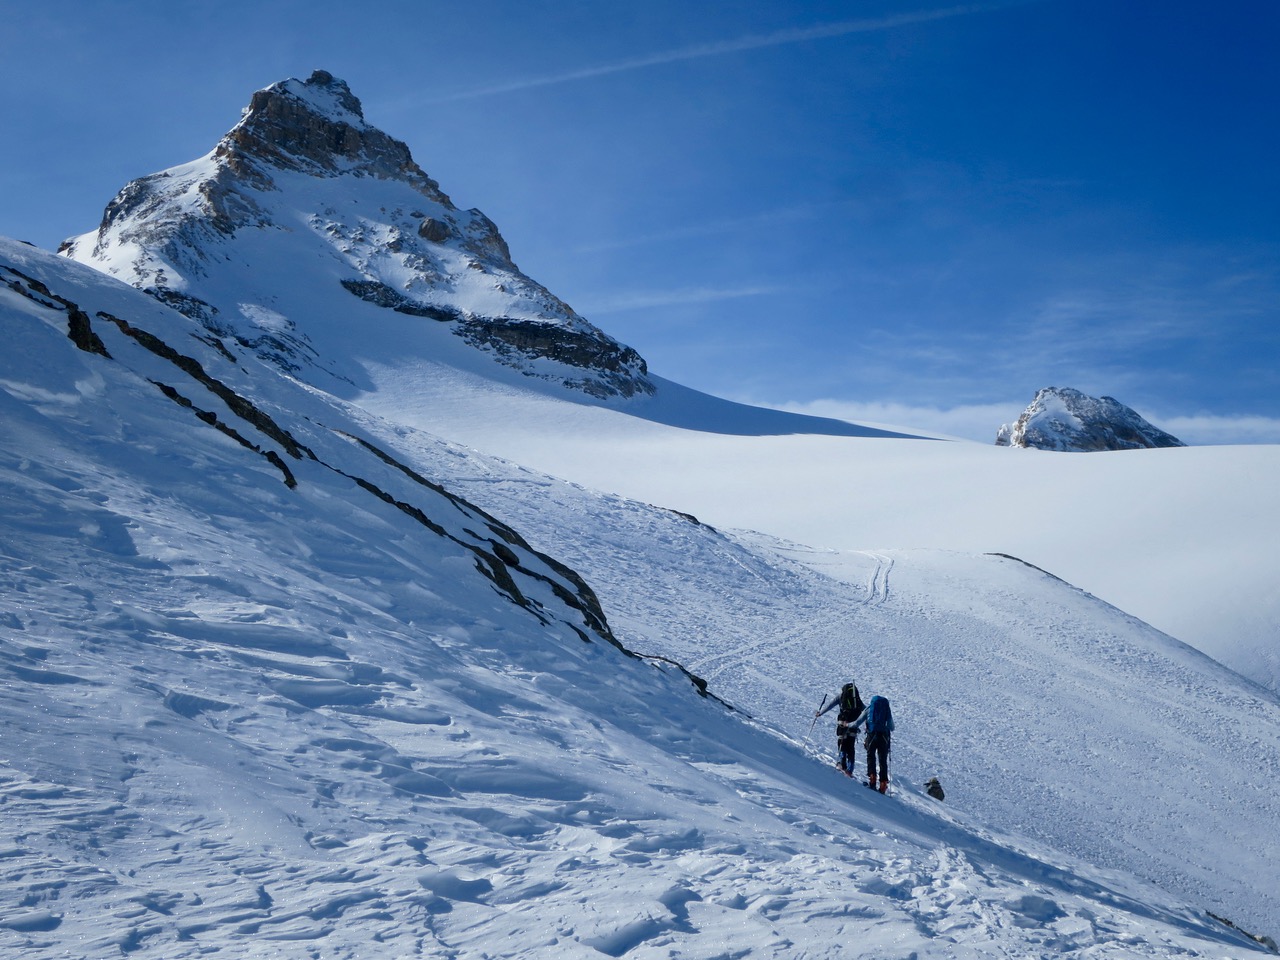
(871, 782)
(884, 784)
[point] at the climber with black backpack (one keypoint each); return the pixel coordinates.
(878, 717)
(850, 703)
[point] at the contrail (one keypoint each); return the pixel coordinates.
(721, 47)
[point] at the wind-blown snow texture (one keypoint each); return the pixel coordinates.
(272, 687)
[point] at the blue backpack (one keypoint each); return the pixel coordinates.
(879, 716)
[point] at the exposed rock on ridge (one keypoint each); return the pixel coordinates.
(318, 126)
(1063, 419)
(303, 155)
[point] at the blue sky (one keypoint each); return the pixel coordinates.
(907, 212)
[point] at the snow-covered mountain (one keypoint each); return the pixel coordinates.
(289, 673)
(304, 203)
(272, 690)
(1063, 419)
(303, 182)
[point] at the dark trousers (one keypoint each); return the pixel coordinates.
(847, 745)
(878, 750)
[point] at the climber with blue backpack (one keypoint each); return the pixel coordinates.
(878, 717)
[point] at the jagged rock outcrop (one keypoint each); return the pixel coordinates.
(303, 180)
(1063, 419)
(317, 127)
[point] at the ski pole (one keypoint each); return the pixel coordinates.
(815, 716)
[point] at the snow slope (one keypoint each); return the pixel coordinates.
(249, 719)
(1042, 708)
(1184, 538)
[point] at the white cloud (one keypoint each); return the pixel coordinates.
(1213, 429)
(978, 422)
(649, 299)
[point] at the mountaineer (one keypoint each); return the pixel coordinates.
(851, 705)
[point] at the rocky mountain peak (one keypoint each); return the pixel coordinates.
(317, 126)
(243, 237)
(1060, 418)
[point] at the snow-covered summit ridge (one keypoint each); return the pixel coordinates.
(303, 205)
(1063, 419)
(324, 93)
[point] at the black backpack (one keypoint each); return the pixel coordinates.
(850, 703)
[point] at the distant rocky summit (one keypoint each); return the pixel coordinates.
(1060, 418)
(304, 202)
